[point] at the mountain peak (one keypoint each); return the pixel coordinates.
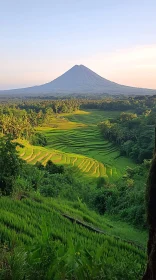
(80, 65)
(80, 80)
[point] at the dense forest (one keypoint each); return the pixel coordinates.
(133, 134)
(47, 188)
(19, 119)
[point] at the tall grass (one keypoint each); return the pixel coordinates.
(52, 247)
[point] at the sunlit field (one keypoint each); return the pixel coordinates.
(75, 140)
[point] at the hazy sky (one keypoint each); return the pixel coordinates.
(41, 39)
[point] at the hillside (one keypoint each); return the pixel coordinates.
(79, 80)
(73, 249)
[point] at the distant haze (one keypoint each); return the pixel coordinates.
(79, 80)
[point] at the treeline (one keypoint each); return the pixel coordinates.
(55, 106)
(20, 118)
(133, 134)
(120, 103)
(20, 124)
(139, 104)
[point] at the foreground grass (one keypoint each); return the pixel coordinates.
(78, 253)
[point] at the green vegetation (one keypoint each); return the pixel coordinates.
(134, 135)
(10, 164)
(55, 248)
(151, 218)
(68, 188)
(126, 199)
(38, 139)
(35, 234)
(89, 166)
(84, 144)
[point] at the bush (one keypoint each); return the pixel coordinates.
(10, 164)
(38, 139)
(128, 201)
(101, 198)
(52, 168)
(101, 182)
(33, 175)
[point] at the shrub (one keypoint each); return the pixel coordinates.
(38, 139)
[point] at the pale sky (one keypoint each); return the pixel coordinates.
(41, 39)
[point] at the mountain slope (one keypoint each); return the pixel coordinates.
(79, 80)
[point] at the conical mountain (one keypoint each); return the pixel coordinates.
(79, 80)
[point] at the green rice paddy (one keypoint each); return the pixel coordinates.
(75, 140)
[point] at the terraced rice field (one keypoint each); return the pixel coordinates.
(75, 140)
(89, 166)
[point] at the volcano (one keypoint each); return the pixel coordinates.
(79, 80)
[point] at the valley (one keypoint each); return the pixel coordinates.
(72, 203)
(74, 139)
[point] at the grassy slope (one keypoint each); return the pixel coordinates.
(11, 218)
(76, 140)
(26, 221)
